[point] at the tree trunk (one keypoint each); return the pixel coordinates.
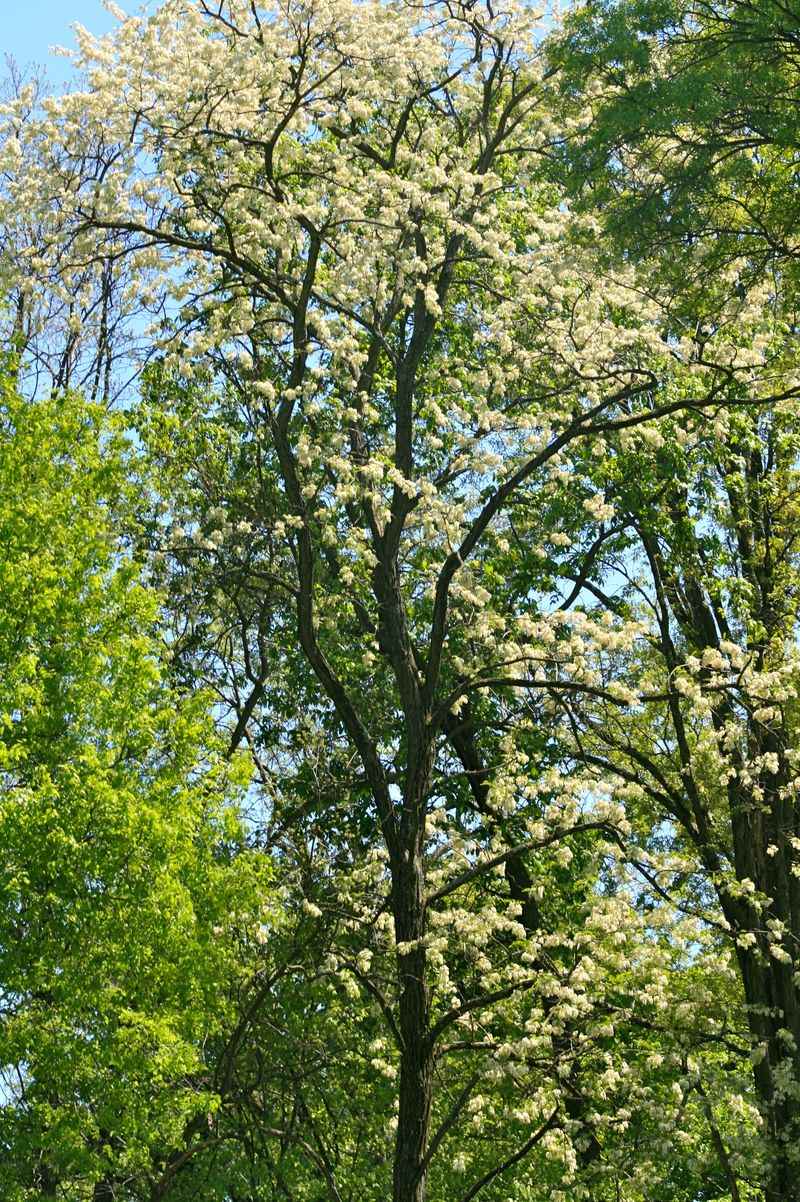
(769, 985)
(416, 1056)
(784, 1181)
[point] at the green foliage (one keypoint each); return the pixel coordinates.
(117, 808)
(463, 502)
(691, 130)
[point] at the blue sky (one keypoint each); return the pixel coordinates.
(29, 27)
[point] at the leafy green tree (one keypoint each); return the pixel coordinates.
(121, 902)
(688, 133)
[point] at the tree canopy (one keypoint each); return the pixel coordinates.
(401, 757)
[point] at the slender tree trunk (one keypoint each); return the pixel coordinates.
(416, 1057)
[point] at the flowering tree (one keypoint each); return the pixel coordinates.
(712, 743)
(705, 169)
(384, 330)
(583, 1028)
(63, 338)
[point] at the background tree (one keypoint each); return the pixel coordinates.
(689, 138)
(691, 130)
(79, 337)
(122, 903)
(712, 745)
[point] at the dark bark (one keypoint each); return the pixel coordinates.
(764, 816)
(416, 1053)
